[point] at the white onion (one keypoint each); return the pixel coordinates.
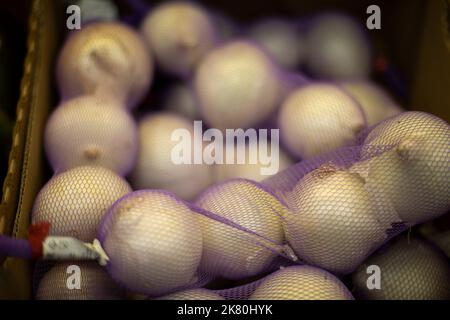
(155, 168)
(318, 118)
(413, 176)
(193, 294)
(154, 242)
(94, 281)
(230, 252)
(301, 283)
(248, 170)
(410, 269)
(375, 102)
(337, 48)
(281, 39)
(334, 221)
(91, 130)
(237, 86)
(180, 34)
(105, 56)
(75, 201)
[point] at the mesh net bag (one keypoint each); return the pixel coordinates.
(75, 201)
(75, 281)
(345, 204)
(410, 269)
(330, 212)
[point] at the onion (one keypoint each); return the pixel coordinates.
(95, 283)
(318, 118)
(253, 165)
(91, 130)
(108, 57)
(193, 294)
(413, 176)
(155, 168)
(180, 99)
(180, 34)
(301, 283)
(228, 251)
(375, 102)
(334, 221)
(237, 86)
(153, 241)
(337, 48)
(410, 269)
(281, 39)
(75, 201)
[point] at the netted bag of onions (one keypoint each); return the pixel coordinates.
(159, 245)
(345, 204)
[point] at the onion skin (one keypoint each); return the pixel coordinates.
(193, 294)
(237, 86)
(75, 201)
(154, 242)
(227, 251)
(301, 283)
(337, 48)
(414, 173)
(411, 269)
(91, 130)
(318, 118)
(376, 104)
(180, 34)
(334, 223)
(106, 57)
(95, 283)
(154, 167)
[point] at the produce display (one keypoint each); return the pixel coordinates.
(190, 151)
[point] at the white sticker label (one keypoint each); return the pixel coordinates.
(67, 248)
